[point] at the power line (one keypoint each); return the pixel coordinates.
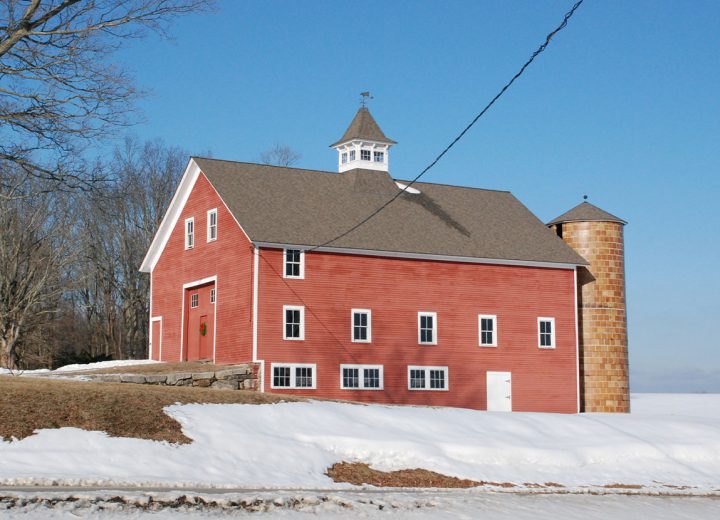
(502, 91)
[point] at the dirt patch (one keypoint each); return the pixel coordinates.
(121, 410)
(358, 474)
(622, 486)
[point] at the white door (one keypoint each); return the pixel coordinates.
(499, 392)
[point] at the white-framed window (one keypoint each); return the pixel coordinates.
(546, 332)
(212, 295)
(344, 157)
(428, 378)
(379, 156)
(364, 155)
(361, 377)
(194, 299)
(189, 233)
(294, 260)
(212, 225)
(487, 330)
(427, 328)
(294, 322)
(352, 155)
(361, 324)
(293, 375)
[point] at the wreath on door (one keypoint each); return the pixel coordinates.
(203, 329)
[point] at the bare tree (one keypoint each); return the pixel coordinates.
(118, 225)
(36, 252)
(280, 155)
(58, 90)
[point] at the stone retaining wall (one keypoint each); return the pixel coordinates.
(236, 377)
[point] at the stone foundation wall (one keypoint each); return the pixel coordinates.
(604, 379)
(236, 377)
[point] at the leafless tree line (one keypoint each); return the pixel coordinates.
(60, 91)
(69, 283)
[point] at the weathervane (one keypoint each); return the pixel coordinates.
(364, 97)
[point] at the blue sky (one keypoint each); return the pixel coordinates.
(624, 107)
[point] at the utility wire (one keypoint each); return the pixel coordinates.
(502, 91)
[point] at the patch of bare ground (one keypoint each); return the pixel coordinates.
(622, 486)
(358, 473)
(120, 410)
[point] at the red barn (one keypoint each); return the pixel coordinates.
(450, 296)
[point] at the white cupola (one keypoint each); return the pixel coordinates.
(363, 145)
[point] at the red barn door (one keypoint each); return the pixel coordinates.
(200, 318)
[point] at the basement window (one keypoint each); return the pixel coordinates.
(487, 325)
(294, 263)
(361, 377)
(427, 378)
(293, 375)
(546, 332)
(427, 328)
(294, 322)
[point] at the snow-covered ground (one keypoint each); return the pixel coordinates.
(79, 368)
(668, 440)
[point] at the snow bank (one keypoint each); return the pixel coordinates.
(79, 367)
(667, 440)
(105, 364)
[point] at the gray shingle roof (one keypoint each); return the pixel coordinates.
(363, 126)
(308, 207)
(586, 212)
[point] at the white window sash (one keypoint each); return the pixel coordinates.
(426, 370)
(302, 264)
(189, 233)
(212, 227)
(494, 320)
(361, 377)
(434, 329)
(302, 322)
(368, 313)
(293, 375)
(552, 332)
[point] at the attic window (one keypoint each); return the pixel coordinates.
(379, 156)
(189, 233)
(352, 155)
(364, 155)
(344, 158)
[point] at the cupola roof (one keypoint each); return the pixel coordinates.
(363, 126)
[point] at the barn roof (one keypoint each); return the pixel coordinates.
(293, 206)
(586, 212)
(363, 126)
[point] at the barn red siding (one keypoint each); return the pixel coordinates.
(229, 258)
(396, 290)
